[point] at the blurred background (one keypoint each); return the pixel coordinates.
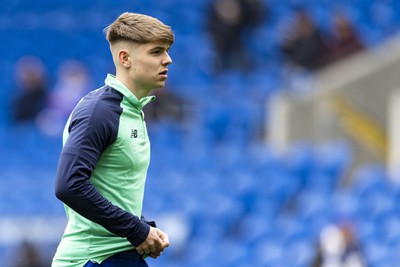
(275, 142)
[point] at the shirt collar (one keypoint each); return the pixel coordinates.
(120, 87)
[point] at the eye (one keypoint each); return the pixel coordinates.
(156, 52)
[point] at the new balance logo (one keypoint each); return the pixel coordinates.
(134, 133)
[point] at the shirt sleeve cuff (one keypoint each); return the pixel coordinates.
(140, 233)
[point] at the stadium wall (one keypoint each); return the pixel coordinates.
(356, 99)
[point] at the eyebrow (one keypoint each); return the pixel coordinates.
(159, 48)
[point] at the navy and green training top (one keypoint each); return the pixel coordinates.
(101, 175)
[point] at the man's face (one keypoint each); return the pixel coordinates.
(149, 65)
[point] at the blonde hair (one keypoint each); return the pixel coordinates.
(138, 28)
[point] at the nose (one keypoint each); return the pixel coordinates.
(167, 59)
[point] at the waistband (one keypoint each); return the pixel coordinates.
(129, 254)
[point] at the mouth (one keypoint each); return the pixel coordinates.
(164, 74)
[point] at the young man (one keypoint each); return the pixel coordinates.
(106, 152)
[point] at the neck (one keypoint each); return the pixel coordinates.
(134, 88)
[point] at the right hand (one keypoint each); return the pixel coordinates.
(154, 244)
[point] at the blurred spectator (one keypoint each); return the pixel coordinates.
(345, 39)
(304, 45)
(72, 83)
(338, 247)
(168, 107)
(228, 20)
(31, 81)
(254, 12)
(28, 256)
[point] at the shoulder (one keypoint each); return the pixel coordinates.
(100, 107)
(100, 102)
(103, 97)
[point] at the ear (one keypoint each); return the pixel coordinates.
(124, 58)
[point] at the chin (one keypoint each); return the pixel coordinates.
(160, 86)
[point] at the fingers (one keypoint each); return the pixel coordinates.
(164, 238)
(147, 249)
(154, 244)
(139, 250)
(155, 255)
(150, 251)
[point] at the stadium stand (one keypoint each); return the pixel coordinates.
(222, 193)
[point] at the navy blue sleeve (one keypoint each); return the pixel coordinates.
(93, 127)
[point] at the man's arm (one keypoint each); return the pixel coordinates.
(90, 133)
(74, 188)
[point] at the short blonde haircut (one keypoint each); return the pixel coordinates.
(138, 28)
